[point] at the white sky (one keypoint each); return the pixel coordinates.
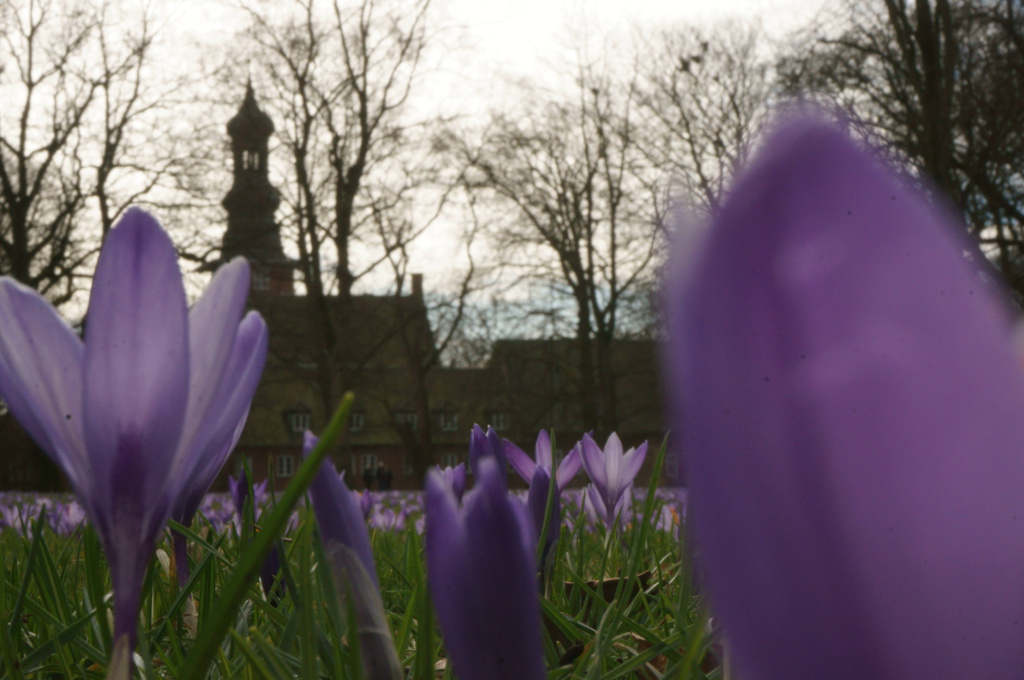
(506, 37)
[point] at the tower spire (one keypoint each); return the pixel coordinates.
(252, 201)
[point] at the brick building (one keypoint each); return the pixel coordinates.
(411, 412)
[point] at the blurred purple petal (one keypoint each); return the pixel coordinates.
(850, 403)
(455, 478)
(365, 501)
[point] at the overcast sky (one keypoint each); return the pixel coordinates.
(516, 37)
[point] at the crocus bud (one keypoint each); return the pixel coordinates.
(347, 543)
(455, 478)
(487, 445)
(482, 579)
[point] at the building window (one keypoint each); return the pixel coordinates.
(285, 466)
(449, 460)
(410, 469)
(356, 421)
(500, 420)
(369, 461)
(406, 417)
(260, 280)
(448, 421)
(297, 420)
(250, 160)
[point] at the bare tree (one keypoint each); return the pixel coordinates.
(705, 95)
(340, 77)
(584, 220)
(73, 91)
(937, 82)
(362, 183)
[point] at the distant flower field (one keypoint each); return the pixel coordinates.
(618, 601)
(390, 511)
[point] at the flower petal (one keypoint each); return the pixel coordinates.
(446, 548)
(569, 466)
(851, 407)
(222, 425)
(337, 512)
(482, 580)
(613, 469)
(520, 461)
(212, 328)
(41, 378)
(542, 450)
(537, 501)
(593, 463)
(486, 445)
(632, 461)
(136, 362)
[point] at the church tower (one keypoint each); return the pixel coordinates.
(252, 201)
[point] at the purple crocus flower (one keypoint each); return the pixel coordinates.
(543, 458)
(850, 401)
(127, 414)
(338, 514)
(239, 489)
(366, 500)
(455, 478)
(484, 445)
(537, 472)
(611, 472)
(537, 502)
(240, 351)
(482, 580)
(347, 543)
(386, 519)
